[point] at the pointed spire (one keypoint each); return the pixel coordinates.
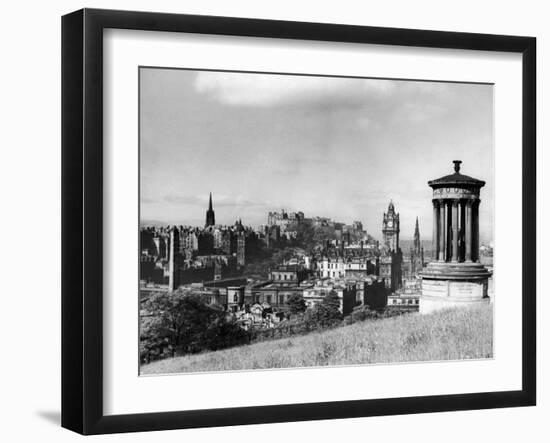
(417, 244)
(210, 217)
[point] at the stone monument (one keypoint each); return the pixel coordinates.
(454, 277)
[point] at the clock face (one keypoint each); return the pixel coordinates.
(390, 223)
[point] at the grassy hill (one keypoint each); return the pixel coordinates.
(464, 333)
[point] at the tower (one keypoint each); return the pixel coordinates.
(241, 249)
(417, 252)
(390, 228)
(416, 245)
(455, 277)
(173, 261)
(210, 218)
(391, 259)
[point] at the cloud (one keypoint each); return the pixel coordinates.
(243, 89)
(376, 99)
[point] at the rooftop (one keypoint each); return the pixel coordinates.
(456, 179)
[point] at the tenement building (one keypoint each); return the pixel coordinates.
(454, 277)
(180, 255)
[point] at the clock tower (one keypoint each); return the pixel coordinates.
(390, 228)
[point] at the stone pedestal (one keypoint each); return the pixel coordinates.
(449, 285)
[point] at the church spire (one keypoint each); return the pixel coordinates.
(210, 218)
(417, 236)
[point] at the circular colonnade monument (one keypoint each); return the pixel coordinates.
(454, 277)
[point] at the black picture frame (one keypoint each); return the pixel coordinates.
(82, 218)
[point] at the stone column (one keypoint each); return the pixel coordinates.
(461, 231)
(454, 221)
(448, 227)
(442, 230)
(468, 239)
(435, 233)
(475, 231)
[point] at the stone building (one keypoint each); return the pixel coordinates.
(235, 298)
(408, 302)
(346, 293)
(455, 276)
(332, 267)
(284, 282)
(174, 260)
(391, 257)
(390, 228)
(161, 249)
(283, 218)
(288, 275)
(274, 295)
(374, 293)
(342, 267)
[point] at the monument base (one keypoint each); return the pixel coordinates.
(451, 284)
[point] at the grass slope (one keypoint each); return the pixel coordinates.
(462, 333)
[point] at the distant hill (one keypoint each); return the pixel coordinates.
(457, 334)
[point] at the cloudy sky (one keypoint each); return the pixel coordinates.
(334, 147)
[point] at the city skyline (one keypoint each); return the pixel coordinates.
(161, 223)
(332, 147)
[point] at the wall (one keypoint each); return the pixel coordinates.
(30, 184)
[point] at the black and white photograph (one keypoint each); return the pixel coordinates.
(297, 221)
(275, 221)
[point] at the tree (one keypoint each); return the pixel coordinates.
(324, 314)
(182, 323)
(296, 304)
(331, 302)
(328, 311)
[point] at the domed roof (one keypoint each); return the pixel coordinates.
(456, 179)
